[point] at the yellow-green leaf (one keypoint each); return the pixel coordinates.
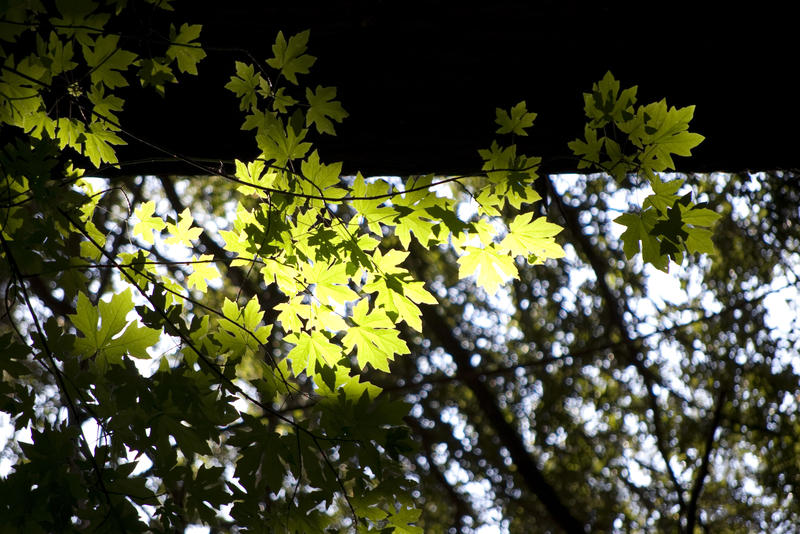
(290, 57)
(203, 270)
(106, 331)
(148, 223)
(310, 349)
(323, 108)
(526, 237)
(493, 269)
(374, 337)
(185, 48)
(516, 121)
(183, 233)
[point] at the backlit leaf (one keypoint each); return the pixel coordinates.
(527, 236)
(106, 331)
(493, 268)
(290, 57)
(183, 233)
(323, 109)
(185, 48)
(202, 271)
(374, 337)
(516, 121)
(148, 223)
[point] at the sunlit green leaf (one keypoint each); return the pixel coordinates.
(516, 121)
(492, 267)
(290, 57)
(107, 333)
(148, 224)
(323, 109)
(184, 47)
(374, 337)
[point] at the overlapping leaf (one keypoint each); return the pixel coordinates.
(107, 334)
(374, 337)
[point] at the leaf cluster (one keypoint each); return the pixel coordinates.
(627, 140)
(185, 376)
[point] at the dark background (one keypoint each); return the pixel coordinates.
(421, 80)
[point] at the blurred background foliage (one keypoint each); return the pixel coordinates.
(646, 401)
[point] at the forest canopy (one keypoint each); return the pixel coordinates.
(270, 345)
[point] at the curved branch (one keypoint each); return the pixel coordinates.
(631, 347)
(462, 507)
(527, 467)
(62, 386)
(224, 380)
(702, 473)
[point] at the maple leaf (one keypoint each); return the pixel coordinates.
(105, 106)
(511, 180)
(493, 268)
(662, 132)
(97, 144)
(264, 122)
(374, 337)
(680, 144)
(331, 282)
(184, 48)
(664, 194)
(238, 243)
(241, 331)
(292, 313)
(254, 173)
(526, 236)
(605, 103)
(320, 179)
(138, 268)
(60, 55)
(323, 108)
(107, 61)
(698, 216)
(516, 121)
(283, 144)
(588, 151)
(70, 133)
(497, 157)
(401, 521)
(352, 386)
(106, 331)
(373, 211)
(89, 248)
(389, 263)
(290, 58)
(79, 20)
(244, 85)
(412, 215)
(281, 101)
(203, 270)
(396, 292)
(399, 296)
(639, 228)
(699, 240)
(148, 224)
(670, 231)
(285, 276)
(325, 318)
(311, 349)
(182, 233)
(156, 72)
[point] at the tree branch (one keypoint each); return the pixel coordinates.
(632, 350)
(238, 276)
(702, 473)
(527, 468)
(462, 507)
